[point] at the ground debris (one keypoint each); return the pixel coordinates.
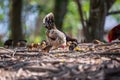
(90, 62)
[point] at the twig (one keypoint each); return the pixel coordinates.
(6, 49)
(80, 12)
(108, 44)
(14, 53)
(110, 50)
(16, 50)
(112, 58)
(42, 69)
(107, 53)
(113, 12)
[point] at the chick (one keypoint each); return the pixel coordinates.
(22, 43)
(33, 46)
(8, 43)
(47, 49)
(43, 44)
(72, 46)
(29, 47)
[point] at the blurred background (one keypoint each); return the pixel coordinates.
(85, 20)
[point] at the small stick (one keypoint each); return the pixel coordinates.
(6, 49)
(108, 44)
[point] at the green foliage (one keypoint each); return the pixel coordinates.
(72, 18)
(85, 8)
(40, 8)
(2, 4)
(42, 33)
(116, 7)
(2, 16)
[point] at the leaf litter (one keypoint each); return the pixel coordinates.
(88, 61)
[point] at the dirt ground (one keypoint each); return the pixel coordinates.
(90, 62)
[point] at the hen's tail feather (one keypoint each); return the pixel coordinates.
(68, 38)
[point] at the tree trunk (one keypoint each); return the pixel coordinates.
(94, 28)
(60, 10)
(15, 20)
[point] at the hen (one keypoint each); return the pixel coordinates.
(114, 33)
(55, 37)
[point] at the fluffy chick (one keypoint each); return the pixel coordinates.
(43, 44)
(47, 49)
(8, 43)
(33, 46)
(72, 46)
(22, 43)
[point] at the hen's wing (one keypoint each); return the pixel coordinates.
(56, 38)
